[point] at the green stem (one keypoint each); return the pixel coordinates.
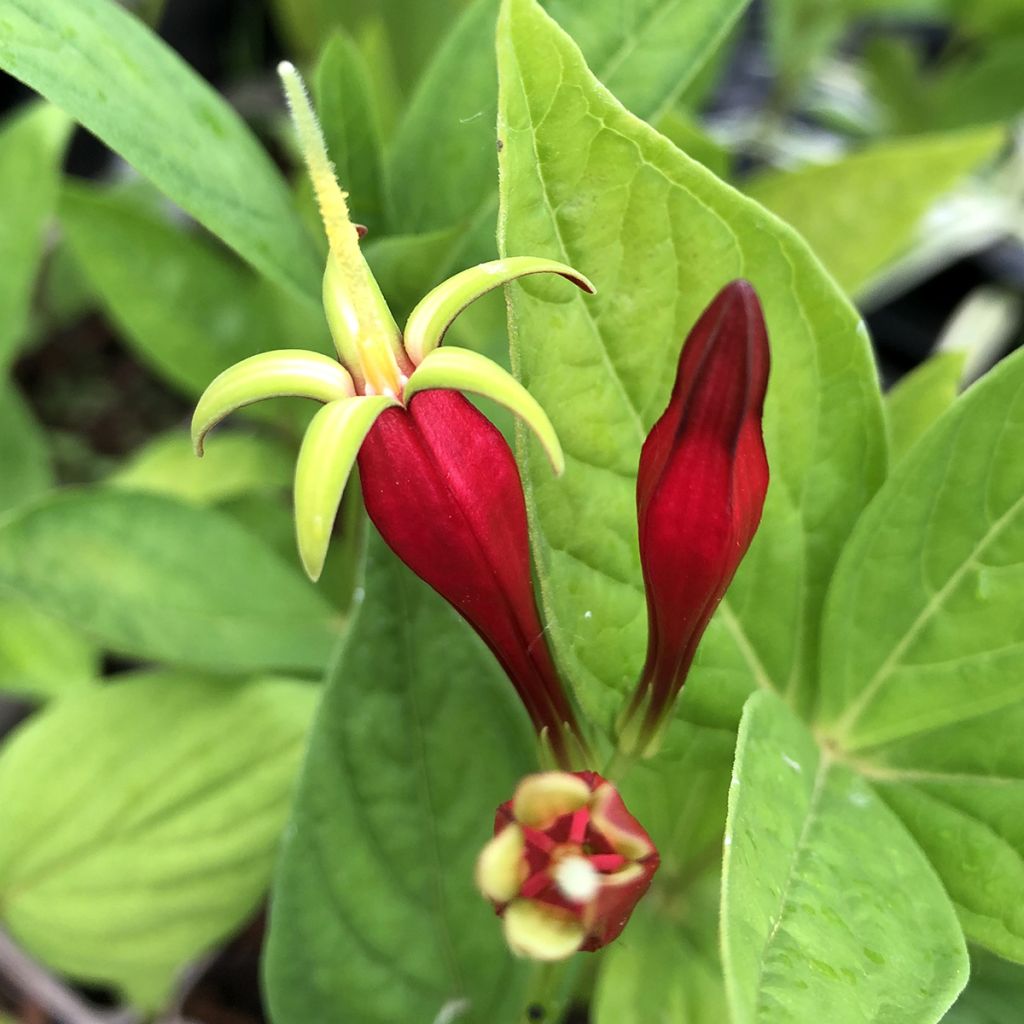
(618, 765)
(550, 988)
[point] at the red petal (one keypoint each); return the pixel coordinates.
(701, 485)
(441, 485)
(615, 903)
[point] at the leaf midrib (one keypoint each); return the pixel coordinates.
(935, 603)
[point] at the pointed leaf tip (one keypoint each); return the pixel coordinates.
(328, 452)
(462, 370)
(430, 320)
(282, 373)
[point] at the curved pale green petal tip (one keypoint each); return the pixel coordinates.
(325, 462)
(463, 370)
(285, 372)
(435, 312)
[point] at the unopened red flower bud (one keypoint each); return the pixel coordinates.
(701, 486)
(567, 865)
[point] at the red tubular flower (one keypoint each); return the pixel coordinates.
(566, 866)
(440, 482)
(701, 486)
(442, 486)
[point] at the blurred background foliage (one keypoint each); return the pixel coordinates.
(890, 133)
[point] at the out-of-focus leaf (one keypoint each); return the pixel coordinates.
(41, 656)
(988, 89)
(648, 52)
(138, 822)
(374, 917)
(115, 76)
(345, 105)
(406, 266)
(154, 578)
(585, 182)
(994, 995)
(442, 163)
(189, 310)
(920, 398)
(860, 213)
(666, 966)
(829, 909)
(25, 469)
(32, 143)
(233, 464)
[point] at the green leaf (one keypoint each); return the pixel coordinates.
(31, 147)
(406, 266)
(920, 398)
(923, 627)
(41, 656)
(860, 213)
(24, 451)
(374, 915)
(345, 104)
(187, 309)
(985, 89)
(124, 876)
(648, 52)
(994, 995)
(442, 163)
(117, 78)
(233, 465)
(589, 184)
(665, 968)
(829, 910)
(959, 790)
(153, 578)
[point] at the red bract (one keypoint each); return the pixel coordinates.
(701, 486)
(441, 485)
(566, 866)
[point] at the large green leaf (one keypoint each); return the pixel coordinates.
(40, 656)
(374, 914)
(647, 52)
(31, 145)
(586, 182)
(345, 103)
(151, 577)
(917, 400)
(442, 163)
(923, 625)
(187, 309)
(111, 73)
(829, 910)
(860, 213)
(959, 790)
(994, 995)
(234, 465)
(138, 822)
(24, 451)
